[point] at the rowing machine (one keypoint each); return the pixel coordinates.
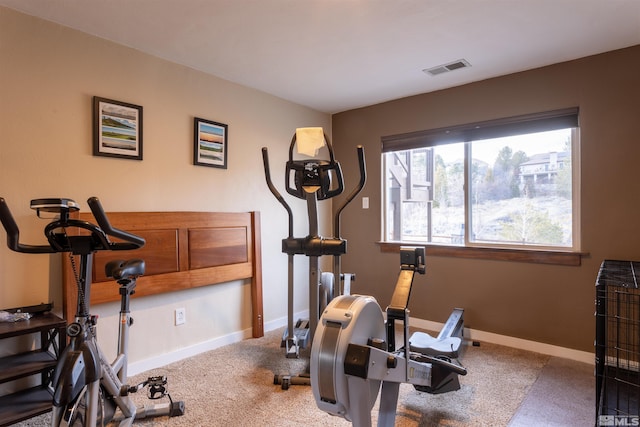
(353, 355)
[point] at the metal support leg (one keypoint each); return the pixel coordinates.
(388, 404)
(359, 398)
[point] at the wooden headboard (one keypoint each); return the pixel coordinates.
(183, 250)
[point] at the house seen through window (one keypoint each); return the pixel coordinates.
(504, 183)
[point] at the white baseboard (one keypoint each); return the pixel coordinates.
(186, 352)
(281, 322)
(193, 350)
(470, 334)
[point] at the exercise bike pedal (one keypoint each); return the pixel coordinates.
(157, 387)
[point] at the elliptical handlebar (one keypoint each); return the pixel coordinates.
(274, 190)
(60, 242)
(324, 177)
(355, 192)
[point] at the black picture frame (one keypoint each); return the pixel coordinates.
(117, 129)
(210, 143)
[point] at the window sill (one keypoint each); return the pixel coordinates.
(497, 254)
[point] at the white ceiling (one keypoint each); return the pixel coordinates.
(335, 55)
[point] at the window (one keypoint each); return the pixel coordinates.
(503, 183)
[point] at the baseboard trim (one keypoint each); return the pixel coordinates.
(470, 334)
(186, 352)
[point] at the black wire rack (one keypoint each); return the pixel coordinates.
(618, 339)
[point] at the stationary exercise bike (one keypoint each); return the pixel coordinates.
(354, 352)
(89, 391)
(312, 180)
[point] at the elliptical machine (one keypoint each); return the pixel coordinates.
(312, 180)
(354, 356)
(88, 391)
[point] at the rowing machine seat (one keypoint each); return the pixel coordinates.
(423, 343)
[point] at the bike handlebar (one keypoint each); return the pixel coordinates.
(59, 242)
(13, 233)
(131, 240)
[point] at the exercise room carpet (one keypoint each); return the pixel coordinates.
(233, 386)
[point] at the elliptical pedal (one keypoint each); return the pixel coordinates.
(300, 340)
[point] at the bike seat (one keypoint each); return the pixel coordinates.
(119, 269)
(423, 343)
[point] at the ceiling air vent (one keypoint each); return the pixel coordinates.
(441, 69)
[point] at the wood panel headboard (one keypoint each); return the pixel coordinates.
(183, 250)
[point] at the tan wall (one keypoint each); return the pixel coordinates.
(48, 75)
(545, 303)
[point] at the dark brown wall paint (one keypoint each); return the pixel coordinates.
(545, 303)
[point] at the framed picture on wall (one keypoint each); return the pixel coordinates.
(117, 129)
(210, 143)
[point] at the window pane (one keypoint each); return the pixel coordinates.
(448, 204)
(425, 195)
(408, 194)
(520, 190)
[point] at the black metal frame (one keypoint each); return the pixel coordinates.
(618, 340)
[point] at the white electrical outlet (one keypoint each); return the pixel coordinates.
(181, 316)
(365, 203)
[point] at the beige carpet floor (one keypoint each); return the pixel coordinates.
(233, 386)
